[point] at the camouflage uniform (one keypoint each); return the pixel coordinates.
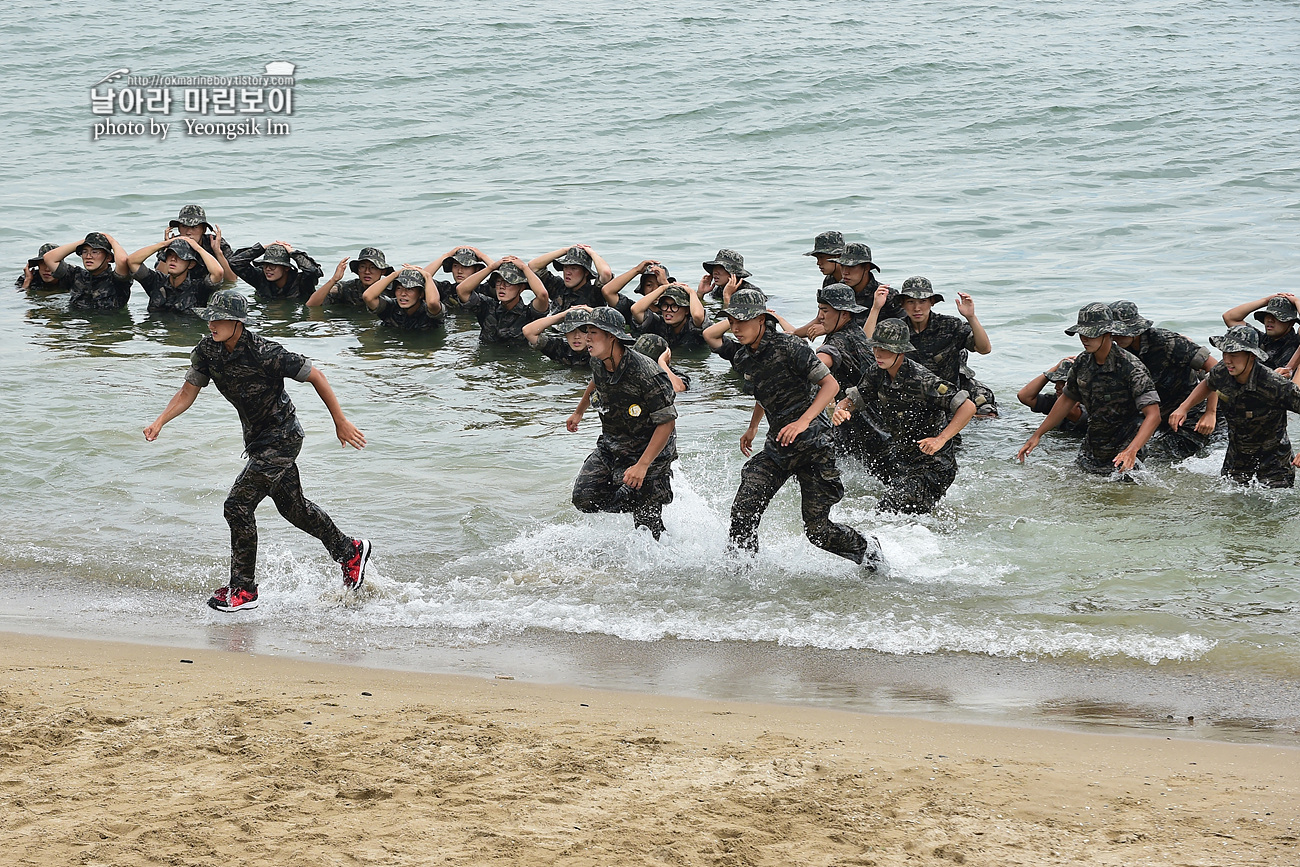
(1114, 394)
(104, 291)
(562, 297)
(347, 293)
(783, 370)
(943, 348)
(913, 405)
(1279, 349)
(302, 278)
(1176, 365)
(185, 298)
(633, 399)
(496, 323)
(850, 355)
(252, 379)
(691, 336)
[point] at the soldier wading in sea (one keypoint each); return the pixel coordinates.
(1114, 387)
(784, 371)
(249, 371)
(917, 459)
(631, 467)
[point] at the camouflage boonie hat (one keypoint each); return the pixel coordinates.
(1094, 320)
(96, 241)
(746, 304)
(1128, 322)
(40, 255)
(892, 335)
(678, 294)
(919, 288)
(575, 256)
(512, 273)
(827, 244)
(650, 345)
(610, 321)
(274, 255)
(1240, 338)
(463, 256)
(1062, 371)
(181, 248)
(225, 305)
(374, 256)
(856, 254)
(1279, 308)
(191, 215)
(840, 296)
(410, 278)
(574, 319)
(731, 260)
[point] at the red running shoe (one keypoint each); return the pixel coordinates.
(354, 565)
(226, 600)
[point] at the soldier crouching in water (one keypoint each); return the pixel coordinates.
(631, 468)
(249, 371)
(1117, 391)
(784, 371)
(917, 461)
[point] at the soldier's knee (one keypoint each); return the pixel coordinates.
(584, 500)
(236, 510)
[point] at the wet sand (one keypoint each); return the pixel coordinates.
(126, 754)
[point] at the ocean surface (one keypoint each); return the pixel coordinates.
(1039, 156)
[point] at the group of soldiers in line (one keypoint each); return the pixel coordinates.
(888, 385)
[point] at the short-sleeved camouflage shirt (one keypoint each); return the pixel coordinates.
(1114, 394)
(163, 296)
(299, 286)
(784, 373)
(850, 354)
(252, 379)
(448, 294)
(939, 347)
(106, 290)
(913, 405)
(1255, 410)
(562, 297)
(633, 399)
(691, 336)
(496, 323)
(556, 348)
(1174, 363)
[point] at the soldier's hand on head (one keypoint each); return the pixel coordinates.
(288, 248)
(341, 269)
(193, 243)
(167, 233)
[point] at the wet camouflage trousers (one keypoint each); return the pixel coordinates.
(819, 487)
(1271, 466)
(599, 488)
(273, 472)
(912, 489)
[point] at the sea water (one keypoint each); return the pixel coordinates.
(1038, 156)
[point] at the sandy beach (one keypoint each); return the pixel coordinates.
(129, 754)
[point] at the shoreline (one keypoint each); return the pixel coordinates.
(1188, 701)
(130, 754)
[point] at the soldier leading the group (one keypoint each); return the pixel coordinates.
(249, 371)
